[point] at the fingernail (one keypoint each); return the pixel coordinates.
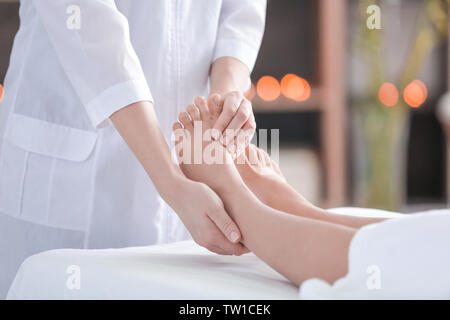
(216, 100)
(234, 237)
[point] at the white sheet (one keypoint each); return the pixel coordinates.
(411, 253)
(181, 270)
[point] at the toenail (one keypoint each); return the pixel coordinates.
(234, 236)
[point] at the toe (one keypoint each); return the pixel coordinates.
(179, 136)
(178, 132)
(232, 149)
(200, 102)
(193, 112)
(185, 120)
(262, 157)
(268, 161)
(176, 126)
(252, 155)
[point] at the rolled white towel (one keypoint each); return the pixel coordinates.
(406, 258)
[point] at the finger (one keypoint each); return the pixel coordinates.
(200, 103)
(215, 105)
(249, 128)
(219, 250)
(216, 241)
(240, 249)
(240, 118)
(246, 134)
(236, 249)
(213, 248)
(225, 224)
(231, 103)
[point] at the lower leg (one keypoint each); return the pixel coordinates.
(297, 247)
(264, 179)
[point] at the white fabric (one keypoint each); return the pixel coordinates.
(181, 270)
(62, 164)
(411, 252)
(404, 258)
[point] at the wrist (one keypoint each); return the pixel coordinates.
(172, 185)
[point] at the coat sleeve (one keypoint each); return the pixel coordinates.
(240, 31)
(92, 41)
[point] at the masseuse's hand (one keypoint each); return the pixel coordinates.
(198, 206)
(236, 122)
(203, 214)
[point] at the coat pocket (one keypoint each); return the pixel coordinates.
(50, 139)
(50, 167)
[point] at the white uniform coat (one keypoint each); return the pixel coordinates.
(67, 179)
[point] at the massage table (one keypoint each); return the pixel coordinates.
(181, 270)
(185, 270)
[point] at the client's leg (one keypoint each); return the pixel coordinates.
(299, 248)
(265, 180)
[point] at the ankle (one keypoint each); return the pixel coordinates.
(238, 200)
(280, 194)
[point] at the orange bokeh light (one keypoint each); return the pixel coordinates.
(268, 88)
(1, 93)
(415, 93)
(251, 93)
(388, 94)
(295, 88)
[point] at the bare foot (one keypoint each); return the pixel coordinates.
(201, 158)
(195, 148)
(264, 178)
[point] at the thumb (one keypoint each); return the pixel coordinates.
(226, 225)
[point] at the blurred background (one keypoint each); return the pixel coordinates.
(358, 93)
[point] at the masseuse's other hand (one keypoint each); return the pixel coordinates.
(204, 215)
(236, 122)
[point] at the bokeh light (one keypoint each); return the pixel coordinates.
(388, 94)
(415, 93)
(268, 88)
(1, 93)
(251, 93)
(295, 87)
